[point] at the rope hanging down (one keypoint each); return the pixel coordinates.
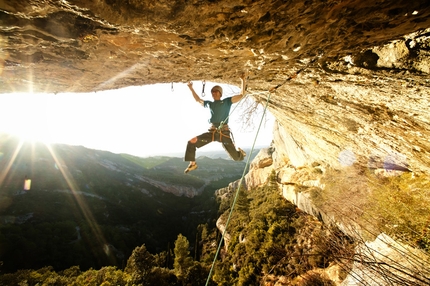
(247, 163)
(237, 194)
(234, 108)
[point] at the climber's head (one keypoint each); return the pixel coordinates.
(216, 92)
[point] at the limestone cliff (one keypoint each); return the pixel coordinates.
(347, 77)
(348, 81)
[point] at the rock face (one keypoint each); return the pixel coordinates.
(349, 79)
(177, 190)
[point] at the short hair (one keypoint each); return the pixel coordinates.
(217, 87)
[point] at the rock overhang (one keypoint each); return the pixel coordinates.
(352, 93)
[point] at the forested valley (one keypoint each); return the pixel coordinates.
(96, 218)
(92, 208)
(266, 238)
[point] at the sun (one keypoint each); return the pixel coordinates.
(37, 118)
(30, 133)
(25, 116)
(28, 128)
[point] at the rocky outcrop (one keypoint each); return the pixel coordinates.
(293, 173)
(85, 46)
(384, 260)
(345, 77)
(296, 179)
(260, 168)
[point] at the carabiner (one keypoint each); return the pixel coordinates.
(203, 90)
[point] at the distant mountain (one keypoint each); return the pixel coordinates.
(222, 154)
(50, 167)
(92, 208)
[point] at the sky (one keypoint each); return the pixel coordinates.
(140, 120)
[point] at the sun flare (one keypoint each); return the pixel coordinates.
(26, 116)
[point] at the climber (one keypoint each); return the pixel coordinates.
(219, 130)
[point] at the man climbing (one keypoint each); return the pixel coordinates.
(219, 130)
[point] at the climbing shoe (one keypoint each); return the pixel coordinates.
(190, 167)
(242, 152)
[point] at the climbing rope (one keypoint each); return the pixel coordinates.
(247, 162)
(223, 122)
(273, 89)
(237, 194)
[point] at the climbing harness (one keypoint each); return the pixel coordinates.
(237, 194)
(220, 129)
(203, 89)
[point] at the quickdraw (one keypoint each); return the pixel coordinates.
(221, 125)
(295, 74)
(171, 87)
(203, 89)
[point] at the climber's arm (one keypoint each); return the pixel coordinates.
(196, 97)
(238, 97)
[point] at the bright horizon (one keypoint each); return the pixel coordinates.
(140, 120)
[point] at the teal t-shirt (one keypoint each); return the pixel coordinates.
(220, 109)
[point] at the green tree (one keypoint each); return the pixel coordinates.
(242, 202)
(196, 275)
(162, 277)
(182, 256)
(140, 264)
(204, 231)
(223, 276)
(73, 271)
(273, 181)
